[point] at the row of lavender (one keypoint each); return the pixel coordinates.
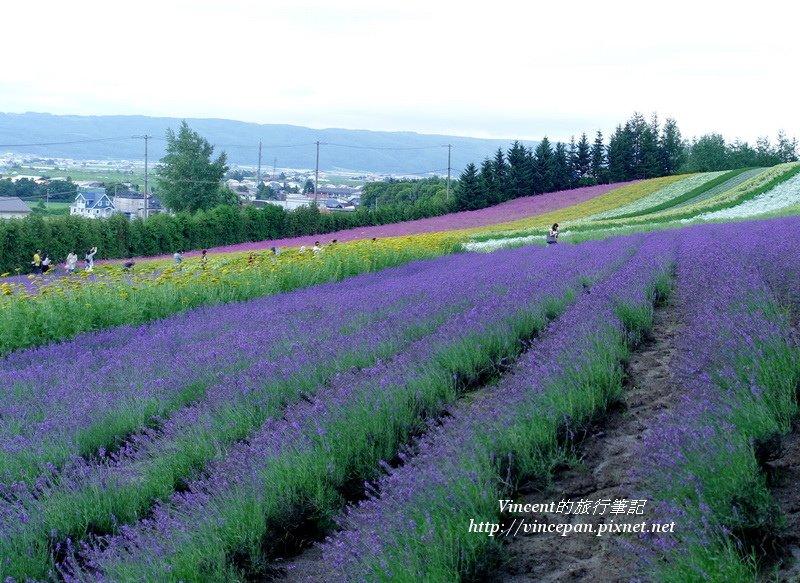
(739, 370)
(101, 495)
(304, 463)
(80, 396)
(416, 525)
(222, 526)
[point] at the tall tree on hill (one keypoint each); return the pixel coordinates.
(766, 155)
(648, 161)
(500, 168)
(572, 160)
(739, 155)
(188, 179)
(786, 148)
(486, 182)
(599, 160)
(583, 158)
(468, 194)
(708, 153)
(561, 168)
(621, 154)
(543, 166)
(519, 171)
(671, 146)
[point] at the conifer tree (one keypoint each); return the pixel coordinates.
(673, 154)
(599, 159)
(583, 158)
(467, 192)
(561, 168)
(519, 171)
(543, 166)
(488, 184)
(500, 168)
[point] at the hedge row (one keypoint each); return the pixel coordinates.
(117, 237)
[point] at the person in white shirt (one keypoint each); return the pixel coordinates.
(90, 258)
(72, 262)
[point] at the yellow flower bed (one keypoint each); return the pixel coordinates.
(612, 199)
(110, 296)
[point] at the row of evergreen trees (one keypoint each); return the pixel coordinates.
(637, 149)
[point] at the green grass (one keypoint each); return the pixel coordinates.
(77, 174)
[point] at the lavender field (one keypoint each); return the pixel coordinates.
(353, 431)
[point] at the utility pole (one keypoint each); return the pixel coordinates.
(145, 137)
(447, 197)
(47, 200)
(258, 181)
(274, 167)
(316, 176)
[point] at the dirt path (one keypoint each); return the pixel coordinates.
(785, 473)
(786, 493)
(608, 456)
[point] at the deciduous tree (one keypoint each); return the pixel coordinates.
(188, 179)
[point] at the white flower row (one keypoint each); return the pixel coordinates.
(662, 195)
(783, 195)
(493, 244)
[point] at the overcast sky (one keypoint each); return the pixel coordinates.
(500, 69)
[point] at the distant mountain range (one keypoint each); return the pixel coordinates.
(111, 138)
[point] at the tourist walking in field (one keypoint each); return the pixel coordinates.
(72, 262)
(89, 259)
(204, 258)
(178, 258)
(46, 263)
(37, 261)
(316, 248)
(552, 236)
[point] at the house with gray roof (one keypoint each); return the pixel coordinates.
(12, 207)
(93, 204)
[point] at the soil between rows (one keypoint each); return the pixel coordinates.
(607, 456)
(785, 474)
(607, 453)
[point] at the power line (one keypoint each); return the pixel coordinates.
(435, 172)
(65, 143)
(384, 147)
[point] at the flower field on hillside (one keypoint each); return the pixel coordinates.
(661, 196)
(385, 412)
(38, 310)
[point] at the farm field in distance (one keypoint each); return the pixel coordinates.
(449, 399)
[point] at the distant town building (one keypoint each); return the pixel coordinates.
(339, 191)
(293, 201)
(131, 204)
(12, 207)
(338, 204)
(93, 204)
